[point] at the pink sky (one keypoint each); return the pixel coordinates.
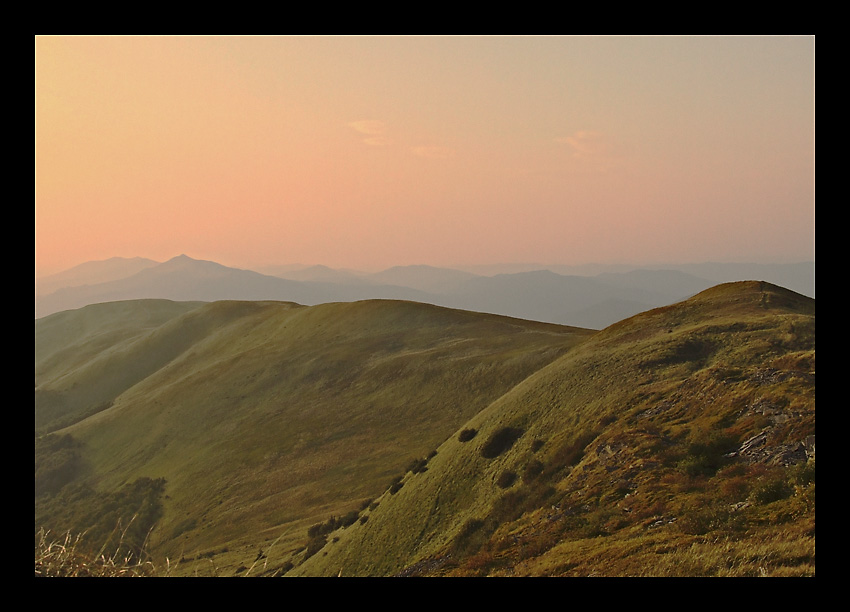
(369, 152)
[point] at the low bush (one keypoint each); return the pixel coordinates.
(532, 471)
(349, 518)
(417, 466)
(464, 540)
(804, 474)
(707, 453)
(771, 489)
(500, 441)
(506, 479)
(466, 435)
(710, 517)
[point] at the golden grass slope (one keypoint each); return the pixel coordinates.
(629, 458)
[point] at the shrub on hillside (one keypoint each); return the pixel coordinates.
(532, 471)
(804, 474)
(57, 462)
(349, 518)
(771, 489)
(314, 545)
(417, 466)
(467, 434)
(709, 517)
(506, 479)
(707, 453)
(500, 441)
(465, 540)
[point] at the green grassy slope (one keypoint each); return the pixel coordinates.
(265, 417)
(677, 442)
(73, 350)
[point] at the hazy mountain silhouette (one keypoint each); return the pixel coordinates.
(322, 274)
(184, 279)
(424, 278)
(93, 272)
(541, 295)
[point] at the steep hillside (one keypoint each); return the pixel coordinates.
(677, 442)
(264, 417)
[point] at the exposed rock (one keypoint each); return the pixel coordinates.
(756, 450)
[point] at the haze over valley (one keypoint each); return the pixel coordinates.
(549, 294)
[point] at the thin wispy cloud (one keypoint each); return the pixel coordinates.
(369, 126)
(593, 151)
(586, 144)
(374, 130)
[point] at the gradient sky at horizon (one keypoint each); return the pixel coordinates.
(369, 152)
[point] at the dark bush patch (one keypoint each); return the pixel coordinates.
(506, 479)
(500, 442)
(536, 445)
(465, 540)
(706, 454)
(467, 434)
(395, 487)
(532, 471)
(349, 518)
(417, 466)
(771, 489)
(314, 545)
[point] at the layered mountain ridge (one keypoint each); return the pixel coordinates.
(554, 294)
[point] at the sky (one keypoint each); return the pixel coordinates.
(369, 152)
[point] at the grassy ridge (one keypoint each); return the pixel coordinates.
(85, 358)
(264, 417)
(623, 457)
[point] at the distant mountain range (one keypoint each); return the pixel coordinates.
(551, 294)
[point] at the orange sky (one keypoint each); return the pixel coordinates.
(368, 152)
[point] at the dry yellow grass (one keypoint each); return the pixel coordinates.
(65, 557)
